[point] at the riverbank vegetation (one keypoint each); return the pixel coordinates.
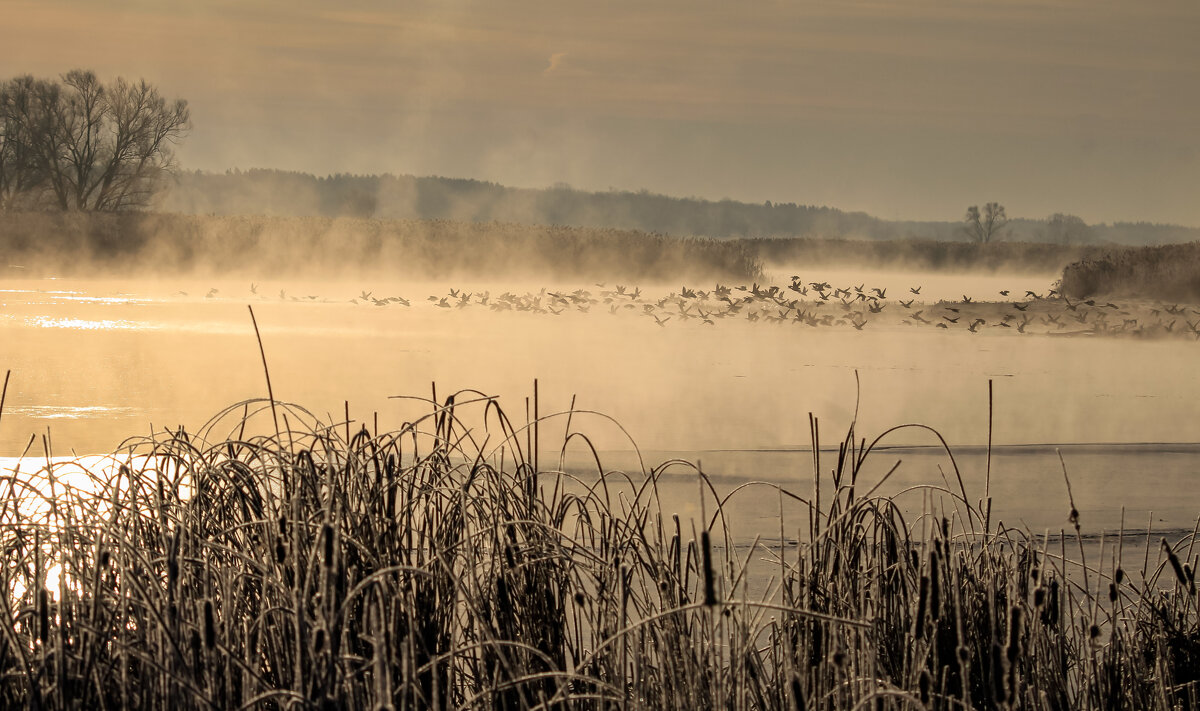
(271, 560)
(924, 254)
(263, 247)
(257, 246)
(1168, 272)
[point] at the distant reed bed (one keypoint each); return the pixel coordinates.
(147, 243)
(923, 254)
(273, 561)
(1168, 273)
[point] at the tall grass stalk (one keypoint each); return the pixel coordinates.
(321, 566)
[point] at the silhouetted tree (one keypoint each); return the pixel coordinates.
(84, 145)
(986, 226)
(1067, 229)
(21, 119)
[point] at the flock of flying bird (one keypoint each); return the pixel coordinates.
(817, 304)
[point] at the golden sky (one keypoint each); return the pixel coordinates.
(908, 108)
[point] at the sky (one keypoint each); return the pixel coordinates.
(905, 109)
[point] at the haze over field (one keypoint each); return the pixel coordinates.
(907, 110)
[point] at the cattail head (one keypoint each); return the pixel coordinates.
(173, 560)
(935, 587)
(1119, 575)
(1174, 561)
(43, 610)
(922, 602)
(999, 683)
(1013, 649)
(210, 626)
(194, 646)
(797, 689)
(710, 583)
(327, 538)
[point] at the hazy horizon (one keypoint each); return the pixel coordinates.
(909, 110)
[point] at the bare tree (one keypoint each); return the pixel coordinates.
(21, 119)
(985, 227)
(1067, 229)
(83, 145)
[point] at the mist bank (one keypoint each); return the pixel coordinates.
(291, 194)
(157, 243)
(1038, 258)
(1165, 273)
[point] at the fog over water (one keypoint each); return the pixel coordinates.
(96, 361)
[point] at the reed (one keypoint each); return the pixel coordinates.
(312, 566)
(1166, 272)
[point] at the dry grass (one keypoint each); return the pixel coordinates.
(274, 561)
(1170, 272)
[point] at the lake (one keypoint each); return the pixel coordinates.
(96, 361)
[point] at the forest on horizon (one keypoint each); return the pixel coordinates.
(295, 194)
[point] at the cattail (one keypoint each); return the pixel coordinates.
(319, 641)
(43, 608)
(935, 587)
(104, 558)
(922, 601)
(173, 561)
(1039, 597)
(194, 646)
(923, 683)
(1050, 613)
(710, 585)
(999, 692)
(280, 550)
(1014, 635)
(210, 626)
(1174, 560)
(1112, 592)
(1093, 632)
(798, 702)
(502, 598)
(327, 537)
(283, 525)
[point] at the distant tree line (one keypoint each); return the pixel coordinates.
(79, 144)
(292, 194)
